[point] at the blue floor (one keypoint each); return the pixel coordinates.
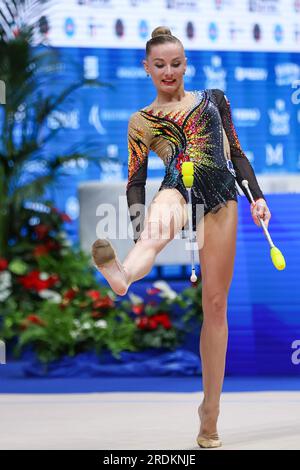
(13, 381)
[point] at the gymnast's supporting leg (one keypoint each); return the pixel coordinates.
(166, 215)
(217, 262)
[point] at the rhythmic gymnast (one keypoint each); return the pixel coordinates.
(180, 126)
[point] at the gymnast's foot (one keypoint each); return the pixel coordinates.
(106, 261)
(208, 435)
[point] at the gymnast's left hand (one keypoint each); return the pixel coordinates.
(260, 210)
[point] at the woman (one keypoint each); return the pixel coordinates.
(179, 126)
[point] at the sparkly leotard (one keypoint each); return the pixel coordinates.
(199, 128)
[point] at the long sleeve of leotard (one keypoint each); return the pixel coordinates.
(139, 139)
(241, 164)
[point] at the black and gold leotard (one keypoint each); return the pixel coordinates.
(199, 128)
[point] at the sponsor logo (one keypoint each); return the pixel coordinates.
(286, 73)
(274, 156)
(143, 29)
(90, 67)
(138, 3)
(66, 120)
(253, 74)
(220, 4)
(246, 116)
(257, 32)
(94, 26)
(37, 167)
(69, 27)
(115, 114)
(130, 72)
(280, 119)
(94, 120)
(72, 166)
(182, 4)
(215, 74)
(278, 33)
(119, 28)
(213, 31)
(96, 3)
(264, 6)
(190, 30)
(111, 171)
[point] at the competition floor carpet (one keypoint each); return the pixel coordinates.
(146, 420)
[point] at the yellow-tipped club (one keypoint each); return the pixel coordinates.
(277, 258)
(276, 255)
(187, 171)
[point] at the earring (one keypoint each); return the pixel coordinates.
(148, 75)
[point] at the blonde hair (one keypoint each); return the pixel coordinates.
(161, 35)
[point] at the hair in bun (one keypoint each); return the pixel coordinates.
(161, 31)
(161, 35)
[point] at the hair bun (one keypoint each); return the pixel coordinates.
(161, 31)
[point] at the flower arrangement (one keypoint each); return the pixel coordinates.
(52, 303)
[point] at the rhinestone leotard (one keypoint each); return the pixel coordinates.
(200, 129)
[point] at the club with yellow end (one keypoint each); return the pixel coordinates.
(187, 170)
(276, 255)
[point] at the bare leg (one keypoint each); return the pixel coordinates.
(217, 263)
(166, 215)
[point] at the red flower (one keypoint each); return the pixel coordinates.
(105, 302)
(142, 323)
(96, 315)
(93, 294)
(35, 319)
(40, 250)
(70, 294)
(33, 281)
(162, 319)
(138, 309)
(3, 264)
(152, 323)
(52, 245)
(98, 300)
(65, 217)
(42, 231)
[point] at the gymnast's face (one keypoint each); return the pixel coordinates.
(166, 64)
